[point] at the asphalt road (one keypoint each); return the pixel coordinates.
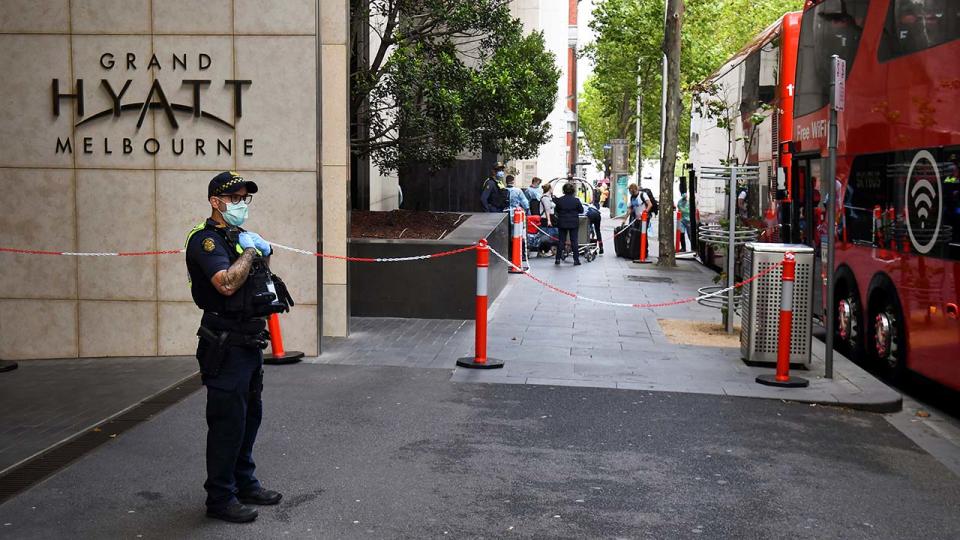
(386, 452)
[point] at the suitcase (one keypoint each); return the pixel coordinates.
(633, 243)
(620, 241)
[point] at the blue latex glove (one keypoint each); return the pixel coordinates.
(253, 240)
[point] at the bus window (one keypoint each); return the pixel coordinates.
(867, 188)
(950, 176)
(915, 25)
(833, 27)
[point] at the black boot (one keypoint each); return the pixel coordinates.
(263, 497)
(234, 513)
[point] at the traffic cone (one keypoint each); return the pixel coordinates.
(278, 355)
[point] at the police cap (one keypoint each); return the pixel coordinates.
(229, 182)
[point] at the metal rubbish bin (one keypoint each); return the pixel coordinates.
(760, 311)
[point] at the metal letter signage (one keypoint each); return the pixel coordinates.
(155, 99)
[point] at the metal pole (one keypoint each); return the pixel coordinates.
(639, 129)
(831, 221)
(731, 247)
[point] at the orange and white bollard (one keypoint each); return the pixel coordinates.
(643, 238)
(519, 229)
(782, 377)
(479, 359)
(676, 227)
(277, 354)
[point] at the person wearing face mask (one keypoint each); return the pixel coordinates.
(494, 196)
(224, 263)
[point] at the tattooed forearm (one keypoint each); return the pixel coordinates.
(234, 277)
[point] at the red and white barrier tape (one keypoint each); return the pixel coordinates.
(625, 229)
(377, 259)
(545, 232)
(90, 254)
(279, 246)
(637, 306)
(615, 234)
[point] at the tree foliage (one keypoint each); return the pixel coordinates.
(448, 76)
(629, 43)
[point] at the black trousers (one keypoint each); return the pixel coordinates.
(595, 226)
(574, 244)
(234, 412)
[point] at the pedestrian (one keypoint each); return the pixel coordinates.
(220, 258)
(593, 217)
(684, 206)
(640, 201)
(605, 196)
(547, 204)
(493, 195)
(515, 197)
(534, 194)
(568, 209)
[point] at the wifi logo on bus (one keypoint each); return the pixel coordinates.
(924, 200)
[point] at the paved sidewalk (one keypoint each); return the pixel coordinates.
(548, 338)
(45, 402)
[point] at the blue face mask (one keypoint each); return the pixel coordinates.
(500, 174)
(236, 214)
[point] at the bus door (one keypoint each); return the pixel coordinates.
(808, 214)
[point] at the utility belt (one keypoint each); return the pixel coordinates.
(218, 333)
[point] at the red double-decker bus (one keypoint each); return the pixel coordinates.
(898, 249)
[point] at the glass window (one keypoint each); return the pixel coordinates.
(833, 27)
(915, 25)
(950, 177)
(881, 180)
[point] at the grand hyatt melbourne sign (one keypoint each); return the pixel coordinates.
(123, 104)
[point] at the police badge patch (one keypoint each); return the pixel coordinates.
(208, 245)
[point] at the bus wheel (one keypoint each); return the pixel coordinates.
(888, 343)
(848, 329)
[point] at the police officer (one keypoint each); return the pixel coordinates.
(220, 259)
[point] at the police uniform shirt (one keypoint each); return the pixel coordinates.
(207, 254)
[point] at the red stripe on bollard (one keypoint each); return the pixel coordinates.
(479, 360)
(782, 377)
(279, 356)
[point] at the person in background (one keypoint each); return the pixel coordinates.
(593, 216)
(639, 203)
(534, 194)
(568, 210)
(516, 198)
(493, 197)
(605, 196)
(547, 204)
(684, 206)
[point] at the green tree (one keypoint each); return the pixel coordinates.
(629, 44)
(448, 76)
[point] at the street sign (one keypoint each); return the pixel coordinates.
(840, 82)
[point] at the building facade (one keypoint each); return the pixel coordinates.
(115, 115)
(565, 30)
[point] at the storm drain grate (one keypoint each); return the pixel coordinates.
(650, 279)
(31, 472)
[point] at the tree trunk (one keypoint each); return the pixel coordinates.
(668, 161)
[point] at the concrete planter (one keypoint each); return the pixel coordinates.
(443, 288)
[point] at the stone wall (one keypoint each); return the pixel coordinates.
(134, 178)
